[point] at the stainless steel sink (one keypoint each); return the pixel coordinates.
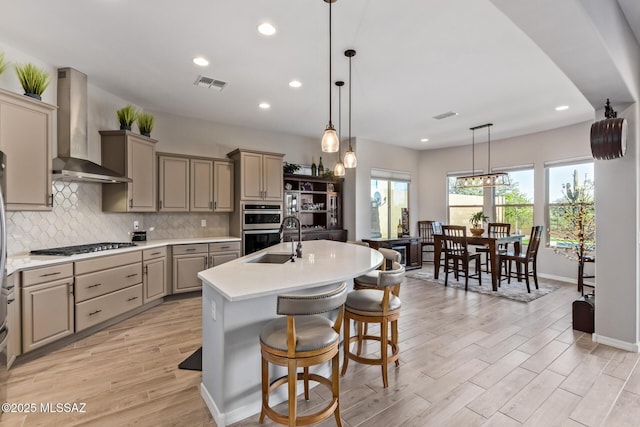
(272, 258)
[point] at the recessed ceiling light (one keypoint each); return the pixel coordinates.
(295, 83)
(266, 29)
(264, 105)
(424, 140)
(200, 61)
(562, 108)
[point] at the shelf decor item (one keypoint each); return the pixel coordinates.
(126, 116)
(609, 136)
(34, 80)
(145, 123)
(3, 64)
(476, 220)
(290, 167)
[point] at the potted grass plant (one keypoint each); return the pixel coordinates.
(126, 116)
(34, 80)
(3, 64)
(477, 220)
(145, 123)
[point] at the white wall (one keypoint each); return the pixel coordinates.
(557, 144)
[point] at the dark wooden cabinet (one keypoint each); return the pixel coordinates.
(409, 248)
(317, 203)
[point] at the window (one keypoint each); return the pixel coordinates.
(570, 213)
(514, 204)
(462, 202)
(388, 197)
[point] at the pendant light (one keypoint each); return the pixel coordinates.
(350, 160)
(338, 169)
(330, 142)
(487, 180)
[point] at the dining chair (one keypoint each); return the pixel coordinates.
(526, 260)
(457, 256)
(497, 229)
(301, 338)
(436, 227)
(425, 234)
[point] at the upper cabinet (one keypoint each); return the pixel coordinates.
(131, 155)
(26, 133)
(194, 184)
(260, 175)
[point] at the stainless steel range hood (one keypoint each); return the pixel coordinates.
(71, 163)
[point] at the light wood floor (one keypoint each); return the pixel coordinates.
(466, 360)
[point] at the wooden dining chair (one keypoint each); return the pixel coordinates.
(497, 229)
(457, 256)
(425, 233)
(526, 260)
(436, 227)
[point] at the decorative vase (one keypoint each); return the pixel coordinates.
(477, 231)
(125, 127)
(34, 95)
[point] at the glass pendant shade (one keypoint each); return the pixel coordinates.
(330, 141)
(338, 169)
(350, 160)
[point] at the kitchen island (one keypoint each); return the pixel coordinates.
(239, 297)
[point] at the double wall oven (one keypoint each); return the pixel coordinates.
(260, 225)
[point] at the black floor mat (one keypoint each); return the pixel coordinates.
(193, 362)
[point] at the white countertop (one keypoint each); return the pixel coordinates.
(21, 262)
(323, 262)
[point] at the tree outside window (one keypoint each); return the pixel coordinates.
(514, 204)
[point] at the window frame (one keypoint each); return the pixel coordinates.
(454, 175)
(495, 206)
(390, 177)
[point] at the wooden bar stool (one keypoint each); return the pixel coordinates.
(302, 339)
(380, 305)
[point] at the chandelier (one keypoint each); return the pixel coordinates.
(487, 180)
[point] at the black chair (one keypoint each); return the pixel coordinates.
(528, 259)
(457, 256)
(497, 229)
(425, 233)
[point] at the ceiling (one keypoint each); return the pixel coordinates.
(415, 60)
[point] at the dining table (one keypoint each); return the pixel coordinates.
(493, 242)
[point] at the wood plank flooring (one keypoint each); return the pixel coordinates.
(466, 360)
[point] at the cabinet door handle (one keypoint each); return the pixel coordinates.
(10, 301)
(131, 202)
(210, 205)
(95, 312)
(51, 200)
(206, 262)
(51, 274)
(156, 253)
(132, 299)
(146, 270)
(132, 275)
(70, 288)
(215, 205)
(224, 247)
(160, 203)
(190, 250)
(94, 286)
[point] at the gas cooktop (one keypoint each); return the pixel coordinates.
(83, 249)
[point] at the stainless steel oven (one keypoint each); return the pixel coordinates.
(260, 226)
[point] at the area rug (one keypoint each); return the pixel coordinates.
(515, 290)
(193, 362)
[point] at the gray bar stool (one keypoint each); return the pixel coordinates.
(302, 339)
(380, 305)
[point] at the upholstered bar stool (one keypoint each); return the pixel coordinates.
(302, 339)
(373, 306)
(370, 279)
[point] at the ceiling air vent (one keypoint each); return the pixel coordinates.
(445, 115)
(210, 83)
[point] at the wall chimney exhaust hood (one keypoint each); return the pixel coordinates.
(71, 163)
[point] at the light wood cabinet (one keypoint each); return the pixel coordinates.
(173, 184)
(131, 155)
(26, 133)
(47, 306)
(222, 252)
(259, 176)
(202, 182)
(154, 267)
(223, 186)
(188, 261)
(105, 307)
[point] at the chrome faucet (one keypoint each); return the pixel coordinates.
(299, 247)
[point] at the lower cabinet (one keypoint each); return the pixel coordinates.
(219, 253)
(154, 271)
(188, 261)
(47, 305)
(99, 309)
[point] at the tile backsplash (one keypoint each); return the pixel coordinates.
(77, 218)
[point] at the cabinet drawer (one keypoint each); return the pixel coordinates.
(102, 263)
(96, 310)
(102, 282)
(224, 247)
(154, 253)
(46, 274)
(190, 249)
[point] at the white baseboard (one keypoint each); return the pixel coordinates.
(612, 342)
(559, 278)
(213, 408)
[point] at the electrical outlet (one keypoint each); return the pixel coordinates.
(203, 223)
(136, 225)
(213, 310)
